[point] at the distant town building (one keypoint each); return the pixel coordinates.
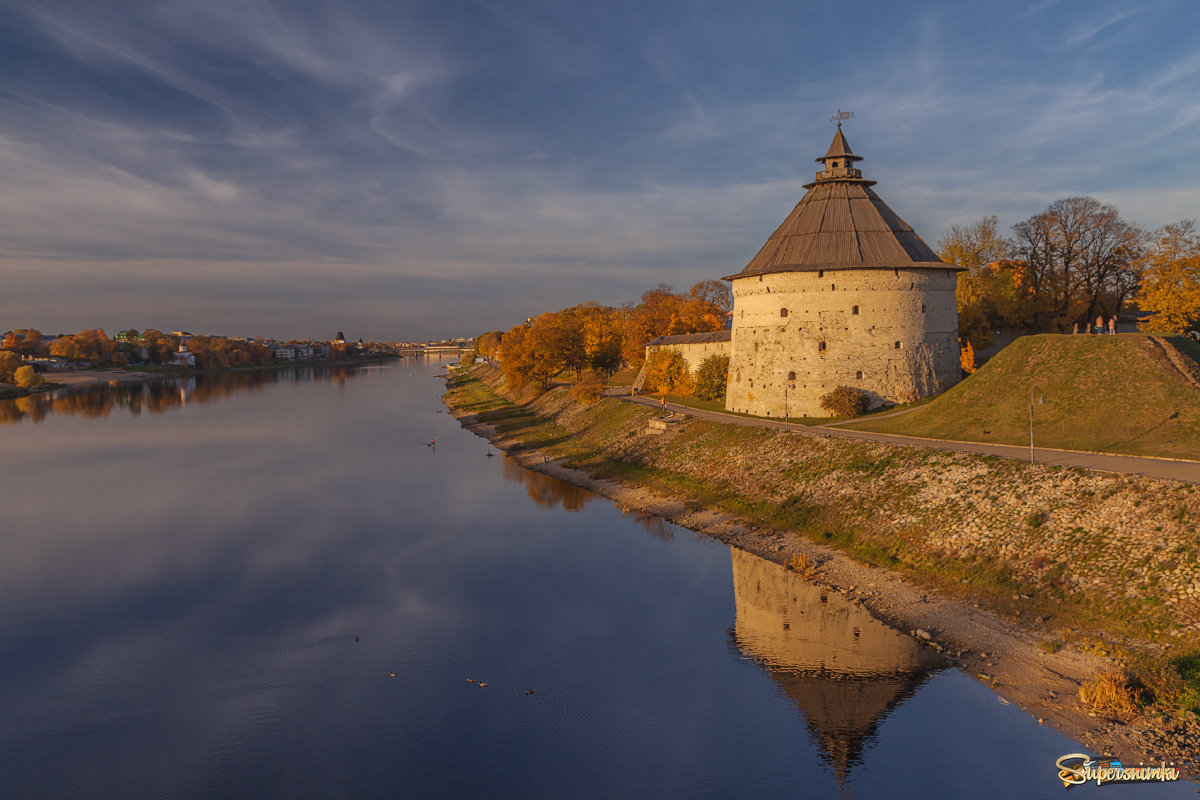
(183, 357)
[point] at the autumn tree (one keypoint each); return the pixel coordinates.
(10, 362)
(25, 341)
(667, 372)
(601, 331)
(966, 358)
(568, 338)
(515, 358)
(88, 345)
(160, 347)
(1170, 287)
(663, 312)
(712, 293)
(995, 291)
(27, 378)
(973, 246)
(487, 345)
(1083, 260)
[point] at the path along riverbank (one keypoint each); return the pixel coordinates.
(1033, 578)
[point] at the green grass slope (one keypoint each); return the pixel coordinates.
(1112, 394)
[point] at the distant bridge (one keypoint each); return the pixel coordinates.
(438, 349)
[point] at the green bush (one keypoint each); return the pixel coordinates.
(712, 377)
(845, 401)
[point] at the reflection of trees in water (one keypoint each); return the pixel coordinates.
(550, 492)
(544, 490)
(657, 527)
(842, 668)
(157, 396)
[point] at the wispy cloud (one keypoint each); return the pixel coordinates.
(1086, 31)
(240, 164)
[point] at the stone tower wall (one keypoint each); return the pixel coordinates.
(902, 344)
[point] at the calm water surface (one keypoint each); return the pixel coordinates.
(206, 586)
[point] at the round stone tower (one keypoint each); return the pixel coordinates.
(844, 293)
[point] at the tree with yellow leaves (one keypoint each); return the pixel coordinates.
(967, 358)
(1170, 286)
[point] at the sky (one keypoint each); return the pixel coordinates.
(401, 170)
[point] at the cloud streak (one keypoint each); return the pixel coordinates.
(255, 168)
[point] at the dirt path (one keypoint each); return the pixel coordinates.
(1187, 369)
(1000, 653)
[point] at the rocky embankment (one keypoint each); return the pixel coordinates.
(1033, 578)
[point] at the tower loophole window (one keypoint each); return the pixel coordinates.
(820, 273)
(791, 376)
(897, 345)
(821, 346)
(854, 310)
(783, 312)
(833, 287)
(858, 375)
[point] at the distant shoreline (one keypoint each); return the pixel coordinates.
(78, 379)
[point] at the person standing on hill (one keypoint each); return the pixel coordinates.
(1112, 325)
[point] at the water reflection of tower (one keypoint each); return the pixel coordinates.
(842, 668)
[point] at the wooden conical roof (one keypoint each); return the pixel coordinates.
(842, 224)
(839, 148)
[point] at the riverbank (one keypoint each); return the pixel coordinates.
(76, 379)
(1034, 579)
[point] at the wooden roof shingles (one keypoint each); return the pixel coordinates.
(841, 223)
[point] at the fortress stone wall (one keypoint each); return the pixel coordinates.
(843, 293)
(892, 333)
(694, 348)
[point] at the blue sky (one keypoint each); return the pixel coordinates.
(412, 169)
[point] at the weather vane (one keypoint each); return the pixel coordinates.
(841, 115)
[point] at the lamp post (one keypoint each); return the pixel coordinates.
(786, 428)
(1031, 457)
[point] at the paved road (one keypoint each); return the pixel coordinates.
(1188, 471)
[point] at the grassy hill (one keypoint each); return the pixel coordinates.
(1113, 394)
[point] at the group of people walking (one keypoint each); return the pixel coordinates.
(1112, 326)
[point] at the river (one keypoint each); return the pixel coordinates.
(269, 585)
